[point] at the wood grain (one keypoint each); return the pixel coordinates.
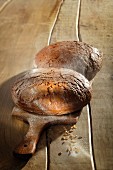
(96, 28)
(24, 29)
(79, 156)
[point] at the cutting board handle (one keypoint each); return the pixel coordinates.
(27, 146)
(36, 125)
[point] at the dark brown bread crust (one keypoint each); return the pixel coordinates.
(51, 91)
(73, 55)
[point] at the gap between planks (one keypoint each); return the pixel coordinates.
(54, 22)
(4, 5)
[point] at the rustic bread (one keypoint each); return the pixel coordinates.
(74, 55)
(61, 82)
(51, 91)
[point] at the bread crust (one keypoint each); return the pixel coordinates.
(51, 91)
(74, 55)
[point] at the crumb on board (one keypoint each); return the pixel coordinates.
(60, 153)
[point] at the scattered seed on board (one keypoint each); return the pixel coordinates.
(73, 127)
(72, 137)
(65, 134)
(70, 131)
(76, 150)
(67, 150)
(64, 138)
(69, 153)
(60, 153)
(80, 137)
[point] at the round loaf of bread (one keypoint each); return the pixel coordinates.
(51, 91)
(74, 55)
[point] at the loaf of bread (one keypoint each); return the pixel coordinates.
(51, 91)
(61, 82)
(74, 55)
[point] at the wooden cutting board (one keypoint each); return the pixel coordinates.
(37, 123)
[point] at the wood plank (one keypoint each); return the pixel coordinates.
(3, 4)
(60, 156)
(96, 28)
(65, 27)
(24, 29)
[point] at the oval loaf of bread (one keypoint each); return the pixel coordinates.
(74, 55)
(51, 91)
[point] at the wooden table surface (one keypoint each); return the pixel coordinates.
(25, 28)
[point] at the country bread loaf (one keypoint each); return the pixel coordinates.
(74, 55)
(51, 91)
